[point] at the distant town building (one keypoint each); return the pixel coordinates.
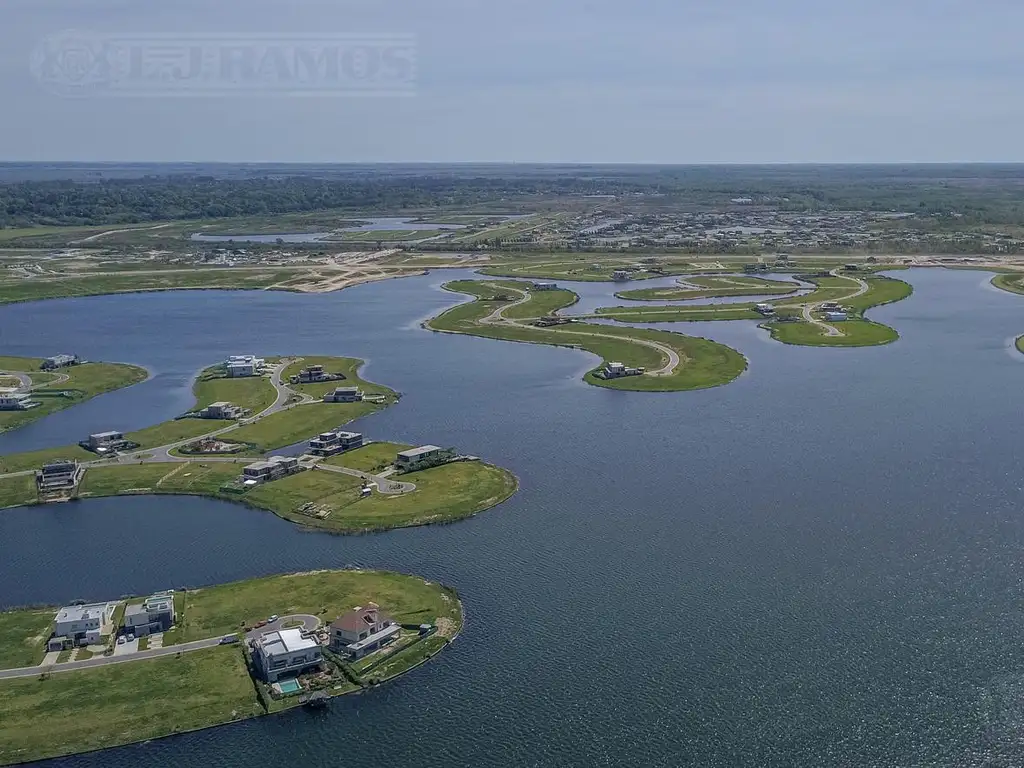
(63, 474)
(222, 410)
(273, 468)
(621, 275)
(344, 395)
(362, 631)
(154, 614)
(17, 401)
(59, 361)
(335, 441)
(244, 365)
(84, 624)
(285, 653)
(423, 457)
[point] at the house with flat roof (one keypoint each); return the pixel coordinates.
(335, 441)
(314, 374)
(107, 442)
(17, 401)
(59, 361)
(222, 410)
(285, 653)
(344, 395)
(423, 457)
(273, 468)
(84, 624)
(154, 614)
(362, 631)
(835, 317)
(621, 275)
(618, 370)
(545, 286)
(244, 365)
(63, 474)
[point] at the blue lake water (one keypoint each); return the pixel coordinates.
(818, 564)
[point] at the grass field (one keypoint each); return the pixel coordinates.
(174, 431)
(16, 462)
(373, 457)
(253, 392)
(93, 285)
(1010, 281)
(299, 423)
(712, 287)
(704, 363)
(17, 491)
(882, 290)
(219, 610)
(856, 333)
(84, 382)
(71, 712)
(349, 366)
(23, 636)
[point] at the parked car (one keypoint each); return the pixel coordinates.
(229, 639)
(131, 638)
(120, 640)
(273, 618)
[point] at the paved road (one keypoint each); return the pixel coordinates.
(384, 484)
(102, 661)
(830, 330)
(309, 623)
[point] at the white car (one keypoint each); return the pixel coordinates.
(273, 618)
(120, 640)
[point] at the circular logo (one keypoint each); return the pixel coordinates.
(72, 63)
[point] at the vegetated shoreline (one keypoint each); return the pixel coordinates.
(588, 376)
(447, 589)
(511, 490)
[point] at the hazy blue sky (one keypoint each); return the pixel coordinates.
(526, 80)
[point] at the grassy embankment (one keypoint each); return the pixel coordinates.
(84, 382)
(1010, 281)
(70, 712)
(703, 364)
(712, 287)
(443, 494)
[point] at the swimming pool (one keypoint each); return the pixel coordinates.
(289, 686)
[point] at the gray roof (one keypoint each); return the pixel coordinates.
(413, 453)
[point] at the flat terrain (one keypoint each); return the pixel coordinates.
(23, 636)
(702, 363)
(856, 333)
(55, 393)
(72, 712)
(226, 608)
(712, 287)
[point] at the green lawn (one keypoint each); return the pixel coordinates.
(85, 382)
(23, 636)
(253, 392)
(1010, 281)
(16, 491)
(882, 290)
(299, 423)
(222, 609)
(349, 366)
(712, 287)
(175, 431)
(16, 462)
(856, 333)
(373, 457)
(541, 303)
(704, 363)
(90, 709)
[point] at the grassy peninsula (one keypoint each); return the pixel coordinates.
(63, 388)
(708, 287)
(504, 309)
(52, 712)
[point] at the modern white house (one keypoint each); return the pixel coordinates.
(244, 365)
(618, 370)
(424, 456)
(16, 401)
(362, 631)
(273, 468)
(344, 395)
(84, 624)
(285, 653)
(154, 614)
(835, 317)
(335, 441)
(222, 410)
(59, 361)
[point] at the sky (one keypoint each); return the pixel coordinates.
(566, 81)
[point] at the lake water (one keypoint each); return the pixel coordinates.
(369, 225)
(817, 565)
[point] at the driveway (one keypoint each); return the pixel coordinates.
(309, 623)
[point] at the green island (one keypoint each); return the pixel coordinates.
(708, 287)
(634, 359)
(188, 659)
(218, 450)
(31, 387)
(830, 315)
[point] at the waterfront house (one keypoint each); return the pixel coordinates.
(335, 441)
(84, 624)
(545, 286)
(105, 442)
(222, 410)
(154, 614)
(344, 395)
(244, 365)
(59, 475)
(422, 457)
(835, 317)
(273, 468)
(764, 309)
(621, 275)
(618, 370)
(362, 631)
(16, 401)
(285, 653)
(314, 374)
(59, 361)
